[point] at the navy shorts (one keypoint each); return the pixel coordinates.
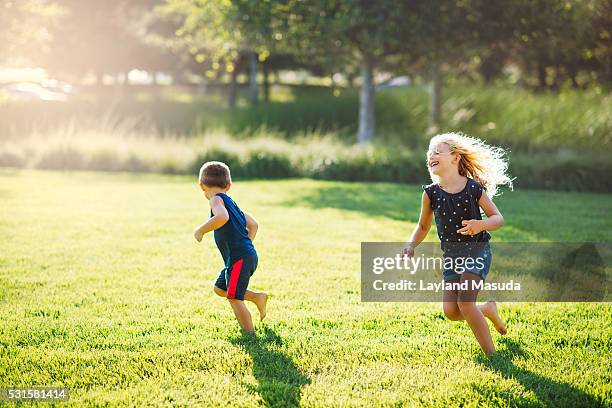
(480, 266)
(235, 279)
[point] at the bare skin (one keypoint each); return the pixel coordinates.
(488, 309)
(460, 306)
(242, 315)
(260, 299)
(219, 218)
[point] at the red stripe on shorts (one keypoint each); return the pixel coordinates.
(234, 275)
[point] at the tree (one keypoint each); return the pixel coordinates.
(100, 37)
(227, 32)
(602, 49)
(552, 38)
(26, 29)
(363, 30)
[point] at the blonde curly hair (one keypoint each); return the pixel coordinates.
(484, 163)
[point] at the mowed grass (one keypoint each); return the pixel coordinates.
(105, 291)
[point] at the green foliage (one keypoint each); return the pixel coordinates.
(268, 164)
(215, 154)
(262, 156)
(11, 159)
(515, 119)
(105, 160)
(25, 27)
(61, 158)
(311, 113)
(562, 172)
(549, 135)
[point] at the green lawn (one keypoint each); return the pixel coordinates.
(105, 291)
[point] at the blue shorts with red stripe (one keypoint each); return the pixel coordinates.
(235, 279)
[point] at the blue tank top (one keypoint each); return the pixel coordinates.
(232, 238)
(450, 209)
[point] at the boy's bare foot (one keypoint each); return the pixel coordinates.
(493, 315)
(261, 303)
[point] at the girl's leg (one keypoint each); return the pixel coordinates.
(449, 305)
(259, 298)
(466, 301)
(488, 309)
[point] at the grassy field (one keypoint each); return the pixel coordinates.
(105, 291)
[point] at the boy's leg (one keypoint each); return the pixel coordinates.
(242, 315)
(259, 298)
(237, 282)
(220, 287)
(466, 301)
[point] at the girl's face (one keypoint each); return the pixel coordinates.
(440, 159)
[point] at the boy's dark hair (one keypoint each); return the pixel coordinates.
(215, 174)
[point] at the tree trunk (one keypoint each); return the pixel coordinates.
(572, 72)
(365, 133)
(541, 75)
(556, 82)
(233, 87)
(253, 88)
(435, 102)
(266, 83)
(351, 80)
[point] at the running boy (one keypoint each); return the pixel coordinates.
(234, 232)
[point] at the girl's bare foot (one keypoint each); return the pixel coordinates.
(490, 311)
(261, 302)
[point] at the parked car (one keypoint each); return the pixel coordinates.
(29, 91)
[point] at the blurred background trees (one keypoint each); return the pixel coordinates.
(534, 44)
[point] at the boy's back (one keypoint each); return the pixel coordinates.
(232, 238)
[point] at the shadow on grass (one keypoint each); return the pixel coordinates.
(280, 381)
(395, 201)
(548, 392)
(402, 202)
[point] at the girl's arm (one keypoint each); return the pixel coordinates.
(494, 218)
(219, 218)
(422, 228)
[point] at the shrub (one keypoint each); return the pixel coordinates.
(217, 154)
(570, 173)
(105, 160)
(316, 157)
(170, 165)
(267, 164)
(11, 159)
(134, 164)
(62, 158)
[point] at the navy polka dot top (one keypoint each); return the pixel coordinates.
(450, 209)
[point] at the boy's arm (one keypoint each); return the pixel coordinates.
(219, 218)
(251, 226)
(422, 228)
